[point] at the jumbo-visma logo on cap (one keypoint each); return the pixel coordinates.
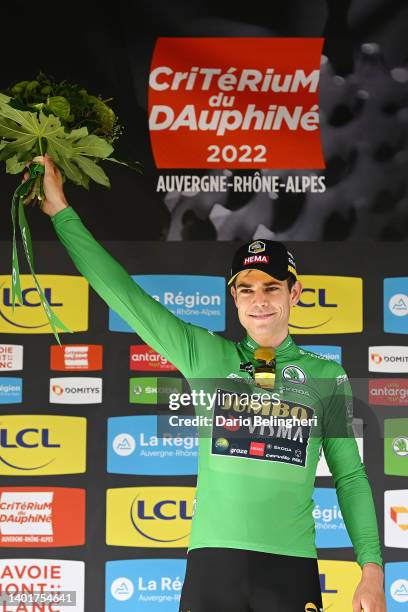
(154, 517)
(67, 296)
(328, 305)
(37, 445)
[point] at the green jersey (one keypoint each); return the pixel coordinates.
(255, 482)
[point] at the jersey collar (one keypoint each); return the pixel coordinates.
(285, 347)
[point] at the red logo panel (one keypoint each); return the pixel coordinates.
(388, 391)
(76, 357)
(42, 517)
(235, 103)
(144, 359)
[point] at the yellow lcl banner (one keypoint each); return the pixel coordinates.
(68, 297)
(328, 305)
(153, 517)
(39, 445)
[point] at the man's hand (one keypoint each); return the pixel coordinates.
(55, 199)
(369, 594)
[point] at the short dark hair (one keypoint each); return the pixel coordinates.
(291, 280)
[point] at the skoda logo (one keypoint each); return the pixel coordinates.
(294, 374)
(400, 446)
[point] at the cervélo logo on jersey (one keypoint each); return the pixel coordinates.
(38, 445)
(144, 359)
(388, 359)
(388, 391)
(235, 102)
(328, 305)
(42, 516)
(43, 575)
(11, 357)
(67, 296)
(76, 357)
(73, 390)
(154, 517)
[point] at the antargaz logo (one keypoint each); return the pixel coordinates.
(328, 305)
(32, 445)
(67, 296)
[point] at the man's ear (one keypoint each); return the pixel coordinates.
(234, 294)
(295, 293)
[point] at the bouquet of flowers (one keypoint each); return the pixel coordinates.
(78, 130)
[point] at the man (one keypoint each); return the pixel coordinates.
(252, 539)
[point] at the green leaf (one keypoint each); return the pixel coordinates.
(4, 98)
(91, 169)
(59, 106)
(93, 146)
(76, 134)
(13, 166)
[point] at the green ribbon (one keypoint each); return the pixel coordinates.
(36, 170)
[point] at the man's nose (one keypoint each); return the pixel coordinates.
(260, 297)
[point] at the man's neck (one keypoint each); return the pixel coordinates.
(271, 339)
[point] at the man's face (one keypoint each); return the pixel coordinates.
(263, 302)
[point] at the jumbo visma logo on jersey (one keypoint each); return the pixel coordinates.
(328, 305)
(38, 445)
(67, 296)
(154, 517)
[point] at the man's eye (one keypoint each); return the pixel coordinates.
(272, 288)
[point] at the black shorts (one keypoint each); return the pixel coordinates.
(236, 580)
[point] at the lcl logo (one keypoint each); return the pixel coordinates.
(318, 300)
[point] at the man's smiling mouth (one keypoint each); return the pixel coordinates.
(261, 316)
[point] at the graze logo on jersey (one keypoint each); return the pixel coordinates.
(388, 391)
(42, 575)
(328, 305)
(150, 445)
(396, 305)
(235, 432)
(37, 445)
(194, 299)
(323, 351)
(330, 528)
(294, 374)
(235, 102)
(153, 390)
(42, 516)
(11, 390)
(154, 517)
(76, 390)
(144, 584)
(338, 582)
(76, 357)
(144, 359)
(396, 447)
(358, 429)
(67, 296)
(11, 357)
(396, 518)
(396, 585)
(388, 359)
